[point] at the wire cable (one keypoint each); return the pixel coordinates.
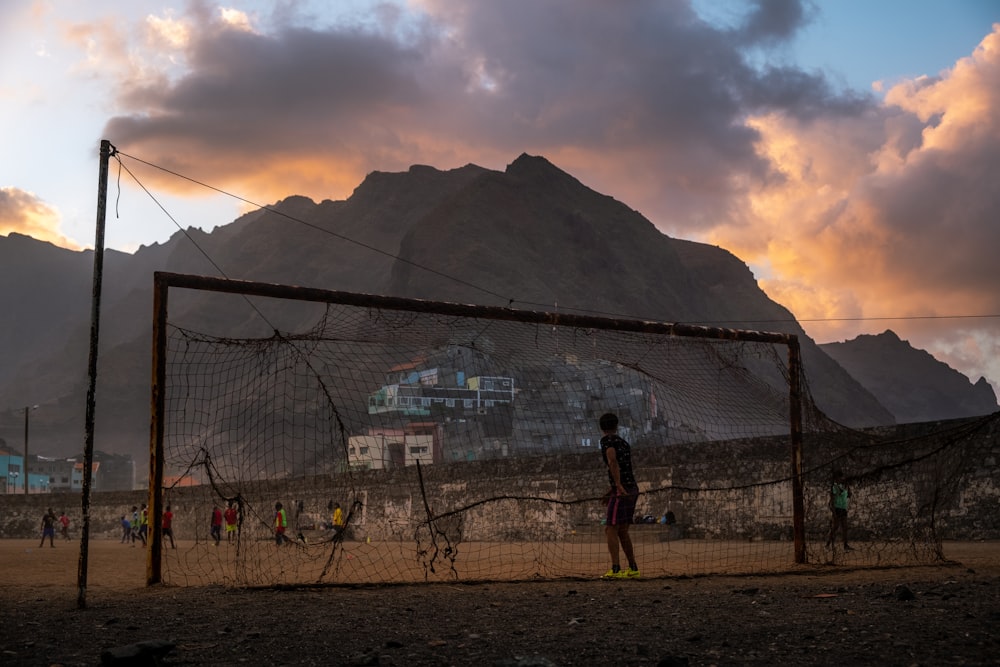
(211, 261)
(509, 300)
(322, 229)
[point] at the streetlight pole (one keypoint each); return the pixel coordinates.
(26, 411)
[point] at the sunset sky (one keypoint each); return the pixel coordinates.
(847, 150)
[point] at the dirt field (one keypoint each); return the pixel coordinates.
(941, 615)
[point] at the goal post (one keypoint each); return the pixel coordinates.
(447, 395)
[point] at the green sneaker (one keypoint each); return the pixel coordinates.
(629, 574)
(611, 574)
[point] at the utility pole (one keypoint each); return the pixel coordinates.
(26, 411)
(26, 450)
(107, 150)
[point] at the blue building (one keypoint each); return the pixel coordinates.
(11, 472)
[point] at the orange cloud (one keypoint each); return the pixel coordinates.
(23, 213)
(890, 213)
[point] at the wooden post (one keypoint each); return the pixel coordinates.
(107, 150)
(795, 417)
(154, 571)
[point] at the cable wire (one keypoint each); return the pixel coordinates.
(509, 300)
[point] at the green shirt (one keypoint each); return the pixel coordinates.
(840, 495)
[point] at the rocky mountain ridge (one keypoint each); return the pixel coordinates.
(530, 237)
(910, 382)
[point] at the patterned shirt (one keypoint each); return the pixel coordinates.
(623, 454)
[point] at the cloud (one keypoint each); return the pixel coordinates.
(773, 21)
(898, 204)
(647, 104)
(891, 212)
(847, 206)
(23, 213)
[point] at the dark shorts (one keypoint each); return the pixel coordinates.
(840, 512)
(621, 509)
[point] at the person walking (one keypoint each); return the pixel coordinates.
(232, 517)
(144, 524)
(622, 496)
(216, 524)
(136, 532)
(126, 529)
(337, 519)
(64, 525)
(167, 526)
(48, 528)
(280, 524)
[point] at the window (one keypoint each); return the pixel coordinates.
(418, 450)
(363, 450)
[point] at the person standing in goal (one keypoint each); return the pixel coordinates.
(621, 496)
(840, 495)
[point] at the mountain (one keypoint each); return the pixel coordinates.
(911, 383)
(531, 236)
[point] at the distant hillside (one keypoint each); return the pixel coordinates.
(911, 383)
(532, 237)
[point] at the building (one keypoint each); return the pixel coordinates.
(420, 394)
(76, 478)
(111, 472)
(387, 448)
(58, 472)
(11, 472)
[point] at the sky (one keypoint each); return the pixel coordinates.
(847, 150)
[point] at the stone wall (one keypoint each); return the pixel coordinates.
(694, 481)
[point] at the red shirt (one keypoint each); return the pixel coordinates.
(167, 518)
(230, 516)
(216, 517)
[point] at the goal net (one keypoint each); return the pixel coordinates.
(398, 440)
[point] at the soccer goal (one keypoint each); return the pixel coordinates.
(367, 439)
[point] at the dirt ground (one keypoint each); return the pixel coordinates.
(940, 615)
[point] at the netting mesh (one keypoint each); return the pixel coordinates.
(466, 448)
